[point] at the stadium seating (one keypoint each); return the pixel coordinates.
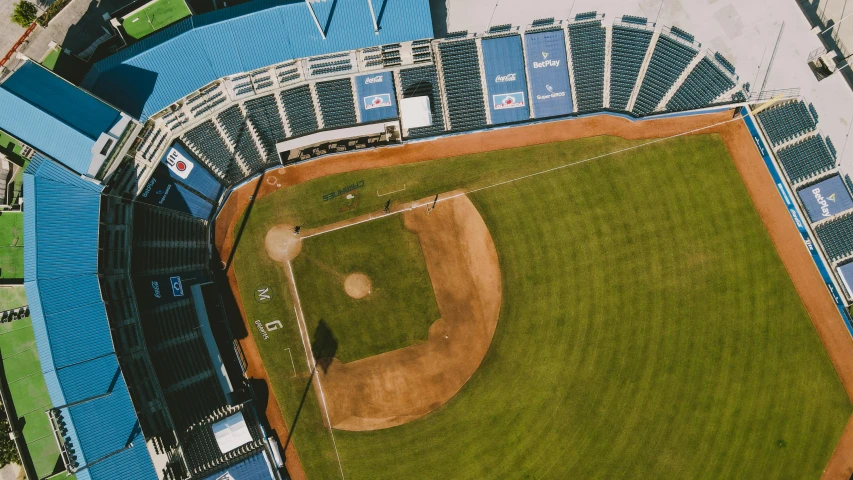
(701, 87)
(627, 52)
(423, 81)
(836, 235)
(669, 60)
(263, 115)
(336, 103)
(212, 149)
(588, 41)
(236, 129)
(201, 445)
(786, 121)
(299, 108)
(831, 148)
(463, 84)
(806, 158)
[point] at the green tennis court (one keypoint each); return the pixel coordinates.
(154, 16)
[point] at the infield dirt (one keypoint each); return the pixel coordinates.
(749, 163)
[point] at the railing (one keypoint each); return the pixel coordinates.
(18, 44)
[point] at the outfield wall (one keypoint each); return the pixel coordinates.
(797, 217)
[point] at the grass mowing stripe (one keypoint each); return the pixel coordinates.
(648, 327)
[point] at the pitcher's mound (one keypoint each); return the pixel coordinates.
(357, 285)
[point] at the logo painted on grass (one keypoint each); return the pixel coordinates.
(262, 294)
(269, 327)
(179, 164)
(343, 191)
(508, 100)
(377, 101)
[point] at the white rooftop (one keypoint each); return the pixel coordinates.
(231, 432)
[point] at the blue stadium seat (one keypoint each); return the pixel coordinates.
(786, 121)
(669, 60)
(588, 41)
(627, 52)
(299, 108)
(701, 87)
(336, 103)
(806, 159)
(463, 84)
(423, 82)
(262, 113)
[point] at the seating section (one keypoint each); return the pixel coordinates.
(299, 108)
(263, 115)
(837, 237)
(166, 241)
(152, 140)
(831, 148)
(701, 87)
(588, 41)
(627, 52)
(336, 103)
(786, 121)
(236, 129)
(212, 149)
(200, 444)
(463, 84)
(423, 82)
(669, 60)
(181, 361)
(806, 158)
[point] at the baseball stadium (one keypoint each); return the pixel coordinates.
(290, 240)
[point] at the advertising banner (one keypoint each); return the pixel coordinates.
(548, 73)
(163, 191)
(375, 96)
(825, 199)
(155, 290)
(184, 168)
(505, 80)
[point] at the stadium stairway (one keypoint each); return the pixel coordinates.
(608, 44)
(644, 68)
(679, 82)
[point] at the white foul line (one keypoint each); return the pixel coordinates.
(541, 172)
(309, 356)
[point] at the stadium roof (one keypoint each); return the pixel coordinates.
(168, 65)
(65, 122)
(71, 328)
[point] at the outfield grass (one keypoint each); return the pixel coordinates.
(648, 327)
(11, 245)
(400, 308)
(154, 16)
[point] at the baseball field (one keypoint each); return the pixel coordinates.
(598, 307)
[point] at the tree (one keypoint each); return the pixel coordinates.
(8, 452)
(25, 13)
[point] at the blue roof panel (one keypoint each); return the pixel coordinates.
(132, 463)
(97, 437)
(70, 324)
(78, 335)
(93, 378)
(61, 100)
(54, 138)
(157, 71)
